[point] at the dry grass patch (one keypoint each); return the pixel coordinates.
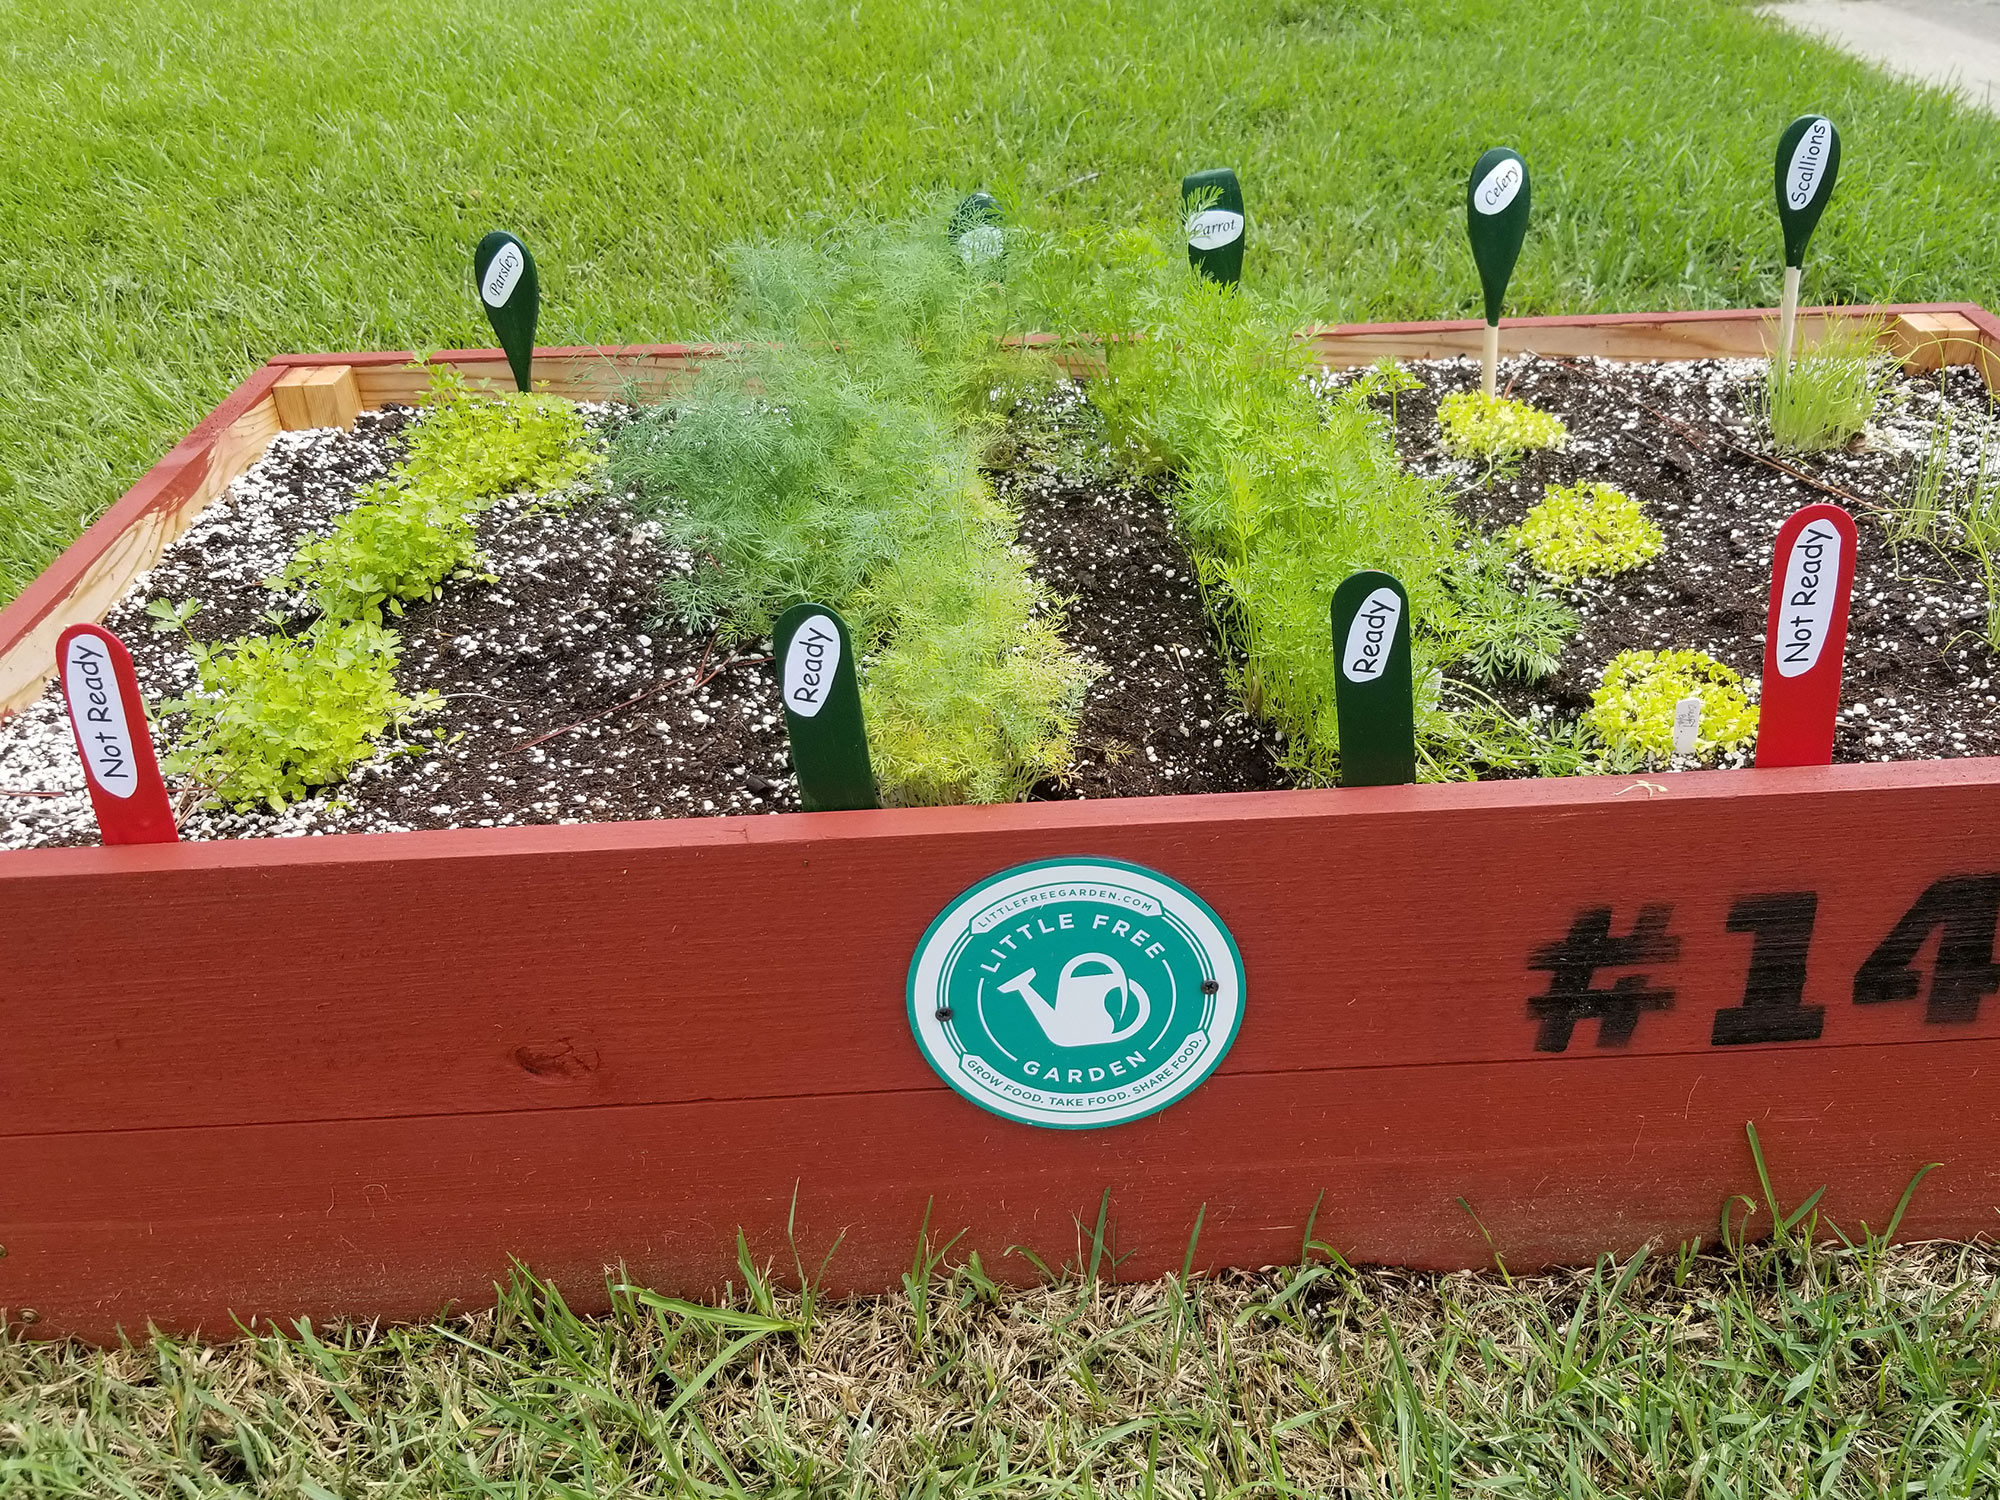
(1773, 1369)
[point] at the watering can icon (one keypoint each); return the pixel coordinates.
(1082, 1015)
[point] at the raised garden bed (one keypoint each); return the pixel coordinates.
(355, 1073)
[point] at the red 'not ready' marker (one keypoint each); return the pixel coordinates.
(1805, 640)
(112, 736)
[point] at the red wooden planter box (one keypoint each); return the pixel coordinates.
(357, 1074)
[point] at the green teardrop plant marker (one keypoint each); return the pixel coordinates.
(1496, 221)
(1215, 232)
(823, 710)
(975, 230)
(1372, 690)
(1808, 162)
(511, 293)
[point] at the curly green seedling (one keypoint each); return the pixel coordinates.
(1495, 429)
(1587, 530)
(1633, 708)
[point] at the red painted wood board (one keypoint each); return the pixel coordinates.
(356, 1074)
(561, 1040)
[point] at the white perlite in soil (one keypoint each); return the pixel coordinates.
(1920, 678)
(564, 702)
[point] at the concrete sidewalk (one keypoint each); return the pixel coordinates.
(1955, 43)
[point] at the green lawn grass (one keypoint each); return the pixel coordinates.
(192, 185)
(1772, 1370)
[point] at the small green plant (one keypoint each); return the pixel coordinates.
(1824, 400)
(275, 716)
(1633, 708)
(1587, 530)
(1918, 514)
(1505, 631)
(398, 543)
(974, 699)
(475, 445)
(1495, 429)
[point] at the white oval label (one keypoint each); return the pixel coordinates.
(811, 661)
(97, 709)
(1499, 187)
(1812, 577)
(1809, 160)
(1213, 228)
(1371, 635)
(980, 244)
(502, 274)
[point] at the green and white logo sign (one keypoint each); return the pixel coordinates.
(1075, 993)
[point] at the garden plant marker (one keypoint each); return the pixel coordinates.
(1215, 232)
(1687, 726)
(1808, 162)
(1372, 690)
(975, 229)
(511, 293)
(1805, 638)
(113, 738)
(823, 710)
(1496, 221)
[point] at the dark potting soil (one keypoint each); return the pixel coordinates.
(1920, 680)
(568, 700)
(564, 700)
(1162, 719)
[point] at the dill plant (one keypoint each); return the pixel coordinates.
(838, 459)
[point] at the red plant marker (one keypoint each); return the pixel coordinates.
(113, 738)
(1805, 640)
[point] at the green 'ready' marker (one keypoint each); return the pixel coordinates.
(511, 293)
(1808, 162)
(975, 230)
(823, 710)
(1372, 691)
(1496, 221)
(1214, 232)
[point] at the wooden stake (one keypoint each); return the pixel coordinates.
(113, 738)
(823, 710)
(1496, 221)
(1805, 637)
(1788, 316)
(1807, 164)
(1373, 694)
(511, 292)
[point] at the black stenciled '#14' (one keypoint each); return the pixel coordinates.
(1962, 910)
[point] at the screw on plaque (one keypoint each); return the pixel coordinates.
(944, 1012)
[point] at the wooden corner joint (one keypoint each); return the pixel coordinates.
(317, 396)
(1930, 341)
